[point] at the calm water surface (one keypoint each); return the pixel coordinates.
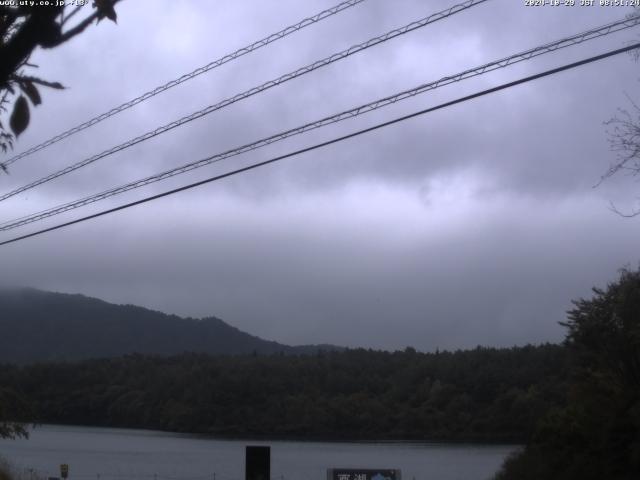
(117, 454)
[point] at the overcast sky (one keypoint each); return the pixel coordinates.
(472, 225)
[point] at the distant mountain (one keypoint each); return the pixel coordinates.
(38, 326)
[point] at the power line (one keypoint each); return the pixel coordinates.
(188, 76)
(253, 91)
(332, 141)
(354, 112)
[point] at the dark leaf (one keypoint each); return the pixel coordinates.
(20, 116)
(40, 81)
(6, 139)
(32, 92)
(105, 9)
(111, 14)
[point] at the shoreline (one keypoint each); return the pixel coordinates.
(287, 438)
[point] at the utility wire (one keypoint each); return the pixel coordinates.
(253, 91)
(360, 110)
(332, 141)
(198, 71)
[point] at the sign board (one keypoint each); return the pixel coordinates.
(258, 463)
(64, 470)
(363, 474)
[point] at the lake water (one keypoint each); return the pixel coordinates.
(118, 454)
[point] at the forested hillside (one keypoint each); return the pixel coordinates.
(483, 394)
(39, 326)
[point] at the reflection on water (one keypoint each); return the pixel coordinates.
(111, 454)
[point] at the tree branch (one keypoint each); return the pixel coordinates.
(79, 28)
(39, 81)
(614, 209)
(68, 17)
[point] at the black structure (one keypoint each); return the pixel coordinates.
(258, 463)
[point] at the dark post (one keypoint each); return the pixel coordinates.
(258, 463)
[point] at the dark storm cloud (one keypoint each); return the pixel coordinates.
(472, 225)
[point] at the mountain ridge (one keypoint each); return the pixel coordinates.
(43, 326)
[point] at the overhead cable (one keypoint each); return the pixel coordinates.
(330, 142)
(188, 76)
(253, 91)
(354, 112)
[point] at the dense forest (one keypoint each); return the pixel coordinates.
(484, 394)
(42, 326)
(596, 434)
